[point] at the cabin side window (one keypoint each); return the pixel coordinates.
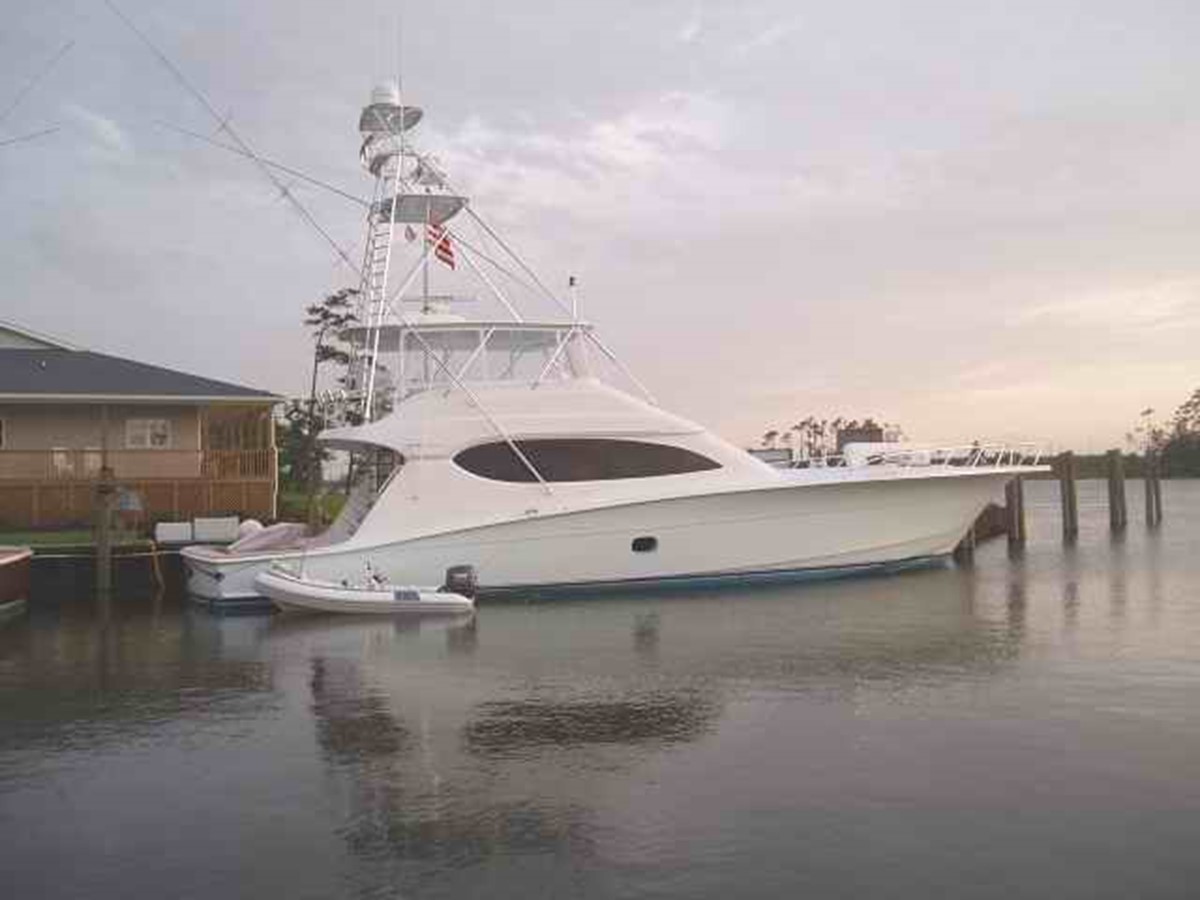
(580, 459)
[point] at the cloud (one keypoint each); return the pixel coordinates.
(689, 31)
(964, 199)
(1162, 304)
(613, 166)
(103, 133)
(765, 39)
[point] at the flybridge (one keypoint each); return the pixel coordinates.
(408, 339)
(430, 352)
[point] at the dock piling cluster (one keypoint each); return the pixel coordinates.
(1066, 471)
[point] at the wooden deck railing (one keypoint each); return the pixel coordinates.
(84, 465)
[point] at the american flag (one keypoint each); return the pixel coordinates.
(442, 248)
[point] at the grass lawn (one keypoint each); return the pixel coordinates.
(50, 541)
(67, 537)
(71, 537)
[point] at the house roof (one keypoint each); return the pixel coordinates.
(63, 375)
(18, 337)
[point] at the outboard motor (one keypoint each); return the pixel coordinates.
(461, 580)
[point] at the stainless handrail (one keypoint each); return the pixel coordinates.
(974, 455)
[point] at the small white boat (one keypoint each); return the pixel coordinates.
(15, 566)
(291, 591)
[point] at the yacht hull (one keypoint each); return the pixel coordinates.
(789, 530)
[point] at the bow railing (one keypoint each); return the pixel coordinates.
(974, 455)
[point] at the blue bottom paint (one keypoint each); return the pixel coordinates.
(714, 582)
(243, 606)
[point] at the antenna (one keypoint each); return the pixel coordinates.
(29, 137)
(399, 47)
(266, 162)
(24, 92)
(32, 83)
(224, 125)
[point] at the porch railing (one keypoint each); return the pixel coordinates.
(84, 465)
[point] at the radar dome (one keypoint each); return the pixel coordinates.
(386, 92)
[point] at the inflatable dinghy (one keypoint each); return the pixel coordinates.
(291, 591)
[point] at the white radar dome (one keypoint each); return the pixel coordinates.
(386, 92)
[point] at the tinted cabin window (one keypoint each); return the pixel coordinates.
(581, 460)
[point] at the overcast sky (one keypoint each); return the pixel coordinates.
(972, 219)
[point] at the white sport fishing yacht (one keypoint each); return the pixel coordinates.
(498, 441)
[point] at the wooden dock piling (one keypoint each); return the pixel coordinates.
(1157, 491)
(1068, 496)
(964, 553)
(1148, 486)
(1153, 487)
(106, 492)
(1118, 514)
(1014, 507)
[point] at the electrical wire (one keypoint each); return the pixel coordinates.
(223, 125)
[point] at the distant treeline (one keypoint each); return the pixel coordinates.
(1095, 465)
(1176, 444)
(1181, 458)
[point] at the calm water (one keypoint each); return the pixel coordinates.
(1029, 728)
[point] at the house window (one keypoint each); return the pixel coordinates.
(147, 434)
(61, 463)
(581, 459)
(92, 457)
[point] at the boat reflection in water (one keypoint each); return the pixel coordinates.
(99, 673)
(438, 746)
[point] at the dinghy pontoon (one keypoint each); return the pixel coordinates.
(292, 591)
